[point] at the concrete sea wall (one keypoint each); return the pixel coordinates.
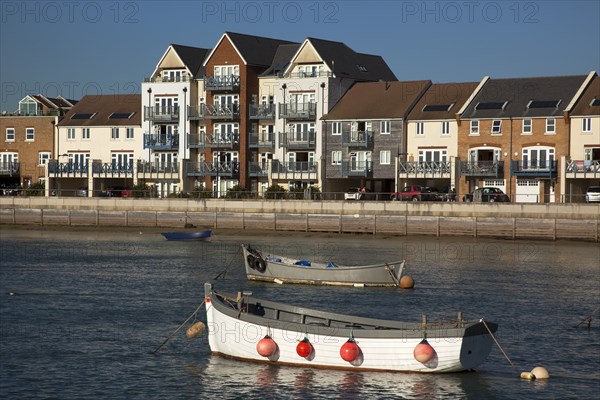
(512, 221)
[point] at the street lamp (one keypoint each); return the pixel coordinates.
(149, 121)
(185, 121)
(283, 138)
(324, 141)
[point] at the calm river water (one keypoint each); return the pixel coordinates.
(82, 309)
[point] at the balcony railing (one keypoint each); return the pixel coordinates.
(258, 169)
(298, 111)
(441, 169)
(540, 168)
(9, 168)
(214, 111)
(161, 141)
(583, 169)
(112, 169)
(297, 140)
(357, 168)
(67, 169)
(223, 82)
(261, 140)
(157, 170)
(261, 111)
(316, 74)
(482, 168)
(295, 170)
(213, 168)
(362, 139)
(168, 79)
(161, 114)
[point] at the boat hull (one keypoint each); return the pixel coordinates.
(271, 268)
(201, 235)
(234, 334)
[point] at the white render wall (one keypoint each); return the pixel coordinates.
(580, 139)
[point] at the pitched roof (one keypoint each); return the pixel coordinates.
(97, 111)
(376, 100)
(192, 57)
(282, 59)
(255, 50)
(54, 102)
(524, 97)
(589, 103)
(442, 101)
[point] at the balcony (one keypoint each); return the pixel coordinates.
(68, 169)
(358, 139)
(357, 168)
(294, 170)
(224, 169)
(224, 82)
(311, 74)
(161, 114)
(297, 140)
(261, 140)
(161, 141)
(222, 140)
(534, 168)
(168, 79)
(214, 111)
(298, 111)
(10, 168)
(112, 170)
(583, 169)
(157, 170)
(493, 169)
(261, 111)
(424, 169)
(258, 169)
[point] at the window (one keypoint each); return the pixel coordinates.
(122, 160)
(385, 157)
(420, 129)
(385, 127)
(445, 127)
(336, 158)
(550, 125)
(71, 134)
(433, 155)
(129, 134)
(43, 158)
(10, 134)
(30, 134)
(586, 125)
(28, 106)
(497, 127)
(85, 133)
(227, 70)
(537, 157)
(526, 127)
(474, 127)
(114, 133)
(336, 128)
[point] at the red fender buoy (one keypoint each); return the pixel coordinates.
(349, 350)
(423, 352)
(304, 348)
(266, 347)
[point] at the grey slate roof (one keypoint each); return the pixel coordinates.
(584, 105)
(192, 57)
(454, 95)
(102, 106)
(256, 50)
(282, 59)
(517, 93)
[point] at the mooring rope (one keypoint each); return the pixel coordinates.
(588, 319)
(224, 272)
(497, 344)
(180, 326)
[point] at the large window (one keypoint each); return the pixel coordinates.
(30, 134)
(227, 70)
(474, 127)
(28, 106)
(436, 155)
(385, 127)
(550, 125)
(122, 160)
(10, 134)
(385, 157)
(538, 157)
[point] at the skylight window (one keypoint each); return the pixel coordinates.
(438, 107)
(595, 103)
(543, 103)
(121, 115)
(492, 105)
(361, 68)
(83, 116)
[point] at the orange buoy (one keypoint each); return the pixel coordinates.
(423, 352)
(349, 350)
(406, 282)
(195, 330)
(304, 348)
(266, 346)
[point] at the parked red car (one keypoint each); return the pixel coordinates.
(417, 193)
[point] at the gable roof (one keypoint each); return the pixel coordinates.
(99, 108)
(346, 63)
(283, 57)
(253, 50)
(192, 57)
(53, 102)
(378, 100)
(588, 102)
(442, 101)
(524, 97)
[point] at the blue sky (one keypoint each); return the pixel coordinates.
(74, 48)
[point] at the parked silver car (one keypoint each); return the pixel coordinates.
(592, 195)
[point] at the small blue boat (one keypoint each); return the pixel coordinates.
(199, 235)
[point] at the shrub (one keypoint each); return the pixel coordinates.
(200, 193)
(238, 192)
(275, 192)
(141, 190)
(37, 189)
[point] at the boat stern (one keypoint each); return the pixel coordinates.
(477, 344)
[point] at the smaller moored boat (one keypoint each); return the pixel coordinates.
(272, 268)
(198, 235)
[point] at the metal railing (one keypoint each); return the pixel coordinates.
(261, 111)
(583, 168)
(482, 168)
(357, 168)
(10, 168)
(221, 82)
(262, 139)
(293, 166)
(428, 168)
(112, 169)
(358, 139)
(161, 114)
(153, 167)
(67, 168)
(213, 168)
(161, 141)
(214, 111)
(534, 168)
(168, 79)
(298, 111)
(297, 140)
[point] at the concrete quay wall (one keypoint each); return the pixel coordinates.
(512, 221)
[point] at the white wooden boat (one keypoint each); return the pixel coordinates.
(268, 267)
(246, 328)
